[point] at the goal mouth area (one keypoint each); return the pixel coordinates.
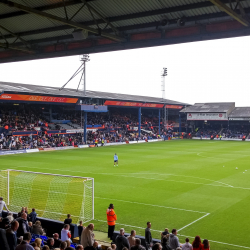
(52, 195)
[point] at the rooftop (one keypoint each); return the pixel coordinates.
(213, 107)
(46, 90)
(35, 29)
(240, 112)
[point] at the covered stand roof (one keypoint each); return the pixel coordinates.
(54, 91)
(219, 107)
(35, 29)
(240, 112)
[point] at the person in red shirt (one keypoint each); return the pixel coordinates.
(206, 245)
(197, 243)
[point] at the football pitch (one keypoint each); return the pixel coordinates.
(190, 185)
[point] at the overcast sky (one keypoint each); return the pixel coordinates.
(210, 71)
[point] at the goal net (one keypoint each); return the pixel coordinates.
(53, 196)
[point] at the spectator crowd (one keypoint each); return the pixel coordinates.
(26, 233)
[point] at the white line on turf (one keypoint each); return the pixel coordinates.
(146, 204)
(194, 222)
(223, 243)
(208, 184)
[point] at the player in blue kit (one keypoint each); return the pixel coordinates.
(116, 160)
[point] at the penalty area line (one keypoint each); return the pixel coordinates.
(194, 222)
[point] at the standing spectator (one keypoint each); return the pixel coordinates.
(23, 225)
(32, 216)
(131, 238)
(148, 236)
(2, 205)
(111, 218)
(80, 229)
(25, 243)
(137, 245)
(57, 241)
(11, 235)
(37, 228)
(65, 233)
(174, 240)
(197, 243)
(206, 245)
(165, 233)
(68, 220)
(165, 243)
(121, 241)
(87, 238)
(187, 245)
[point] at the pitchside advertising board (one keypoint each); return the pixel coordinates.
(37, 98)
(207, 116)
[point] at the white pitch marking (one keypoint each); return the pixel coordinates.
(193, 222)
(147, 204)
(225, 185)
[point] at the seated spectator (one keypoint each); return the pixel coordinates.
(206, 245)
(10, 217)
(197, 243)
(187, 245)
(113, 246)
(174, 240)
(32, 216)
(79, 247)
(157, 246)
(37, 228)
(94, 247)
(5, 223)
(11, 235)
(63, 245)
(65, 233)
(34, 245)
(137, 245)
(25, 243)
(121, 241)
(38, 242)
(87, 238)
(68, 220)
(68, 243)
(45, 247)
(131, 238)
(69, 248)
(57, 241)
(165, 243)
(50, 243)
(23, 225)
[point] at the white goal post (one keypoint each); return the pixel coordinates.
(52, 195)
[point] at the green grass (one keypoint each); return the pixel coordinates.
(171, 184)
